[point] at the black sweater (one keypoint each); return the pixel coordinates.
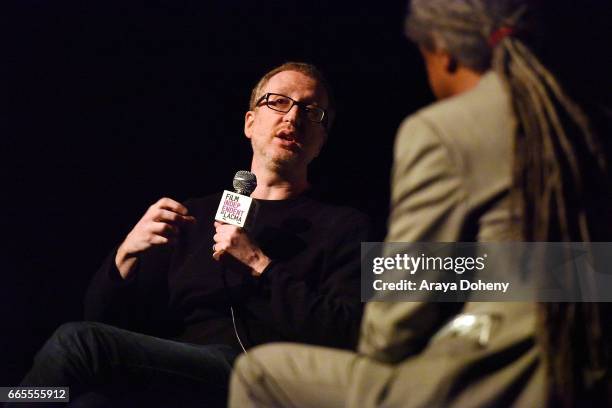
(309, 293)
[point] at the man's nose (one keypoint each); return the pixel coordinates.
(294, 115)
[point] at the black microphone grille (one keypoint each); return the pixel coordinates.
(244, 182)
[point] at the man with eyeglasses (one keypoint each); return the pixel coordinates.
(294, 276)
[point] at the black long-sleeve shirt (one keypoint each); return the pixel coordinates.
(309, 293)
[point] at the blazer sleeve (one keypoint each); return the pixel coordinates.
(427, 204)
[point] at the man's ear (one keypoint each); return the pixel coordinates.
(249, 119)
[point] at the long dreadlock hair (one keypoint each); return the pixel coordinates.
(553, 145)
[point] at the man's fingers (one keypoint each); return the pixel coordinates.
(189, 219)
(227, 228)
(172, 217)
(217, 237)
(166, 215)
(217, 255)
(164, 229)
(155, 239)
(221, 243)
(172, 205)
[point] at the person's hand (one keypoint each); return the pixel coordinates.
(236, 242)
(158, 226)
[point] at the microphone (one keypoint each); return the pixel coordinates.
(236, 207)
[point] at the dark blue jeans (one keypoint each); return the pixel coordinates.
(108, 366)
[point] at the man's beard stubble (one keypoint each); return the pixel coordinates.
(283, 164)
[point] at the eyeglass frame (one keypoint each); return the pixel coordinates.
(303, 105)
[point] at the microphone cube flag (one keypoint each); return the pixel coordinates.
(234, 208)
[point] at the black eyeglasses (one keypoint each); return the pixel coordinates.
(282, 103)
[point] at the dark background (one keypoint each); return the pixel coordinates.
(111, 105)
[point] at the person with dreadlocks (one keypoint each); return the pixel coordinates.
(503, 155)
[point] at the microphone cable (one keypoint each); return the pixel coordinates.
(231, 307)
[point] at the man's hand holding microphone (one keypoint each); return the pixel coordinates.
(236, 242)
(235, 213)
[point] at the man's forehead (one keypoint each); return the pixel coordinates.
(297, 84)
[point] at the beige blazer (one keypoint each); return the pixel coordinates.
(450, 182)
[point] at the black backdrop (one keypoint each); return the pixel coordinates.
(114, 104)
